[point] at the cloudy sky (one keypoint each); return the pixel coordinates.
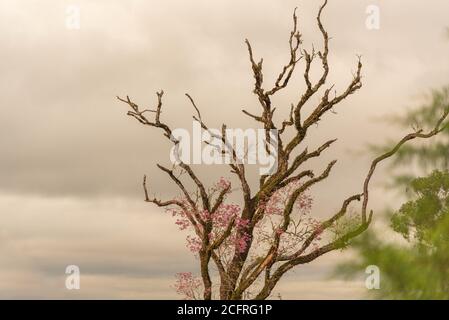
(71, 161)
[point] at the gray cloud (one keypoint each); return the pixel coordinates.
(64, 132)
(70, 156)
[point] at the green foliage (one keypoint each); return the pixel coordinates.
(419, 218)
(429, 153)
(419, 270)
(344, 225)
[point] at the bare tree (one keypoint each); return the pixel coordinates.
(253, 245)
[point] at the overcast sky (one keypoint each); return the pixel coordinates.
(71, 161)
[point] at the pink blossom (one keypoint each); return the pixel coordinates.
(279, 231)
(223, 184)
(187, 285)
(183, 223)
(277, 202)
(194, 243)
(221, 219)
(241, 223)
(241, 243)
(224, 214)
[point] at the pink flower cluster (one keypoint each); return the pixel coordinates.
(228, 212)
(223, 184)
(221, 219)
(193, 243)
(241, 242)
(277, 202)
(187, 285)
(182, 221)
(223, 215)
